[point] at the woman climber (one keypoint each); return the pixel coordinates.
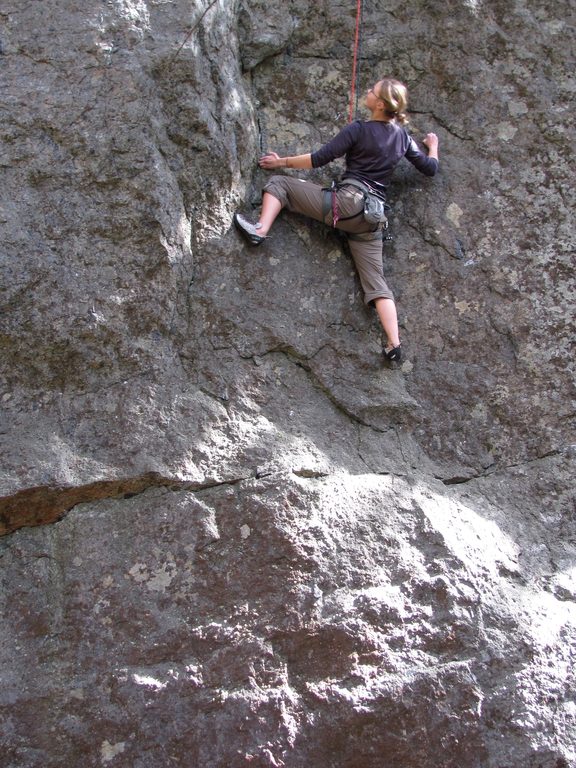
(372, 149)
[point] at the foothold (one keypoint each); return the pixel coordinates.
(459, 250)
(454, 214)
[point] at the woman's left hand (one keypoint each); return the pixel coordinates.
(270, 161)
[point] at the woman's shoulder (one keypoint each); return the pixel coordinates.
(390, 126)
(352, 131)
(356, 125)
(385, 130)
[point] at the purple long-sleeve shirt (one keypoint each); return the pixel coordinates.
(372, 149)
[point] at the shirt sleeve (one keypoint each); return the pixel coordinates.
(338, 146)
(426, 165)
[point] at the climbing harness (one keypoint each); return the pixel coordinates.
(330, 204)
(355, 68)
(374, 206)
(374, 209)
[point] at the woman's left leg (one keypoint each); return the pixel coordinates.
(306, 197)
(278, 193)
(271, 207)
(294, 194)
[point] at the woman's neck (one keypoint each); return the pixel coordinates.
(379, 116)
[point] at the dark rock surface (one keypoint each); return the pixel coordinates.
(233, 537)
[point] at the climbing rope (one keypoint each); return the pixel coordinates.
(355, 68)
(191, 32)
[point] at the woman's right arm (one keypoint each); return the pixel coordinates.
(425, 162)
(431, 142)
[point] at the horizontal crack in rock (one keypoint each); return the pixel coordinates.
(48, 504)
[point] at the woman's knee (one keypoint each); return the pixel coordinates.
(375, 294)
(276, 187)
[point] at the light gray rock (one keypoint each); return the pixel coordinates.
(234, 538)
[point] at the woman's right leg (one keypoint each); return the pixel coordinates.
(386, 309)
(367, 255)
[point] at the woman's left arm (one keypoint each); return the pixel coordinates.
(335, 148)
(273, 160)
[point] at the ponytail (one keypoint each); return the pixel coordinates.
(394, 94)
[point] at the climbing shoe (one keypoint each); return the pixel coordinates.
(393, 355)
(249, 230)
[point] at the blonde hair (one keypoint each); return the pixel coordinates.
(394, 94)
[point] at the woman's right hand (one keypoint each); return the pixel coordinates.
(431, 142)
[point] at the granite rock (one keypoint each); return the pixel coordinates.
(232, 536)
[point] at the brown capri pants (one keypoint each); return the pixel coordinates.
(301, 196)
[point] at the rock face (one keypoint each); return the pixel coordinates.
(232, 537)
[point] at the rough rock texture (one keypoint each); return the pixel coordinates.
(233, 537)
